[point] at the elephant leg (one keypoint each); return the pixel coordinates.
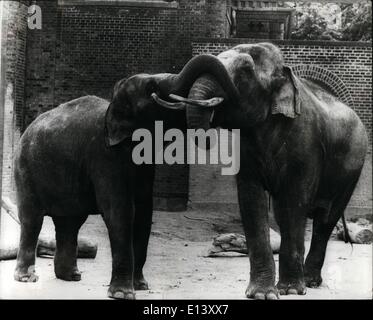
(67, 228)
(315, 259)
(142, 222)
(254, 212)
(322, 228)
(31, 222)
(119, 221)
(292, 227)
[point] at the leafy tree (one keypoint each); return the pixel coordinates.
(357, 20)
(348, 22)
(312, 23)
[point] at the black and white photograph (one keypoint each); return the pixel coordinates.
(186, 150)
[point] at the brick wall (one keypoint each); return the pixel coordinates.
(346, 68)
(14, 35)
(85, 48)
(349, 66)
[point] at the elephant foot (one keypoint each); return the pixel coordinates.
(261, 292)
(68, 274)
(140, 283)
(313, 280)
(287, 288)
(28, 275)
(121, 292)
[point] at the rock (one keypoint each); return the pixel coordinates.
(234, 242)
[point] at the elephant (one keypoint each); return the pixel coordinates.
(298, 143)
(75, 160)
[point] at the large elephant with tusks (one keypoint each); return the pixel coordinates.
(299, 143)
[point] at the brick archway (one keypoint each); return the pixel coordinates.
(328, 78)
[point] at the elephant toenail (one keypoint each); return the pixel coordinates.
(292, 291)
(282, 292)
(130, 296)
(118, 295)
(272, 296)
(259, 296)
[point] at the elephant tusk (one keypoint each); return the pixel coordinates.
(213, 102)
(212, 115)
(166, 104)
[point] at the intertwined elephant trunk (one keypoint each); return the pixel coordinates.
(134, 100)
(200, 79)
(205, 87)
(211, 86)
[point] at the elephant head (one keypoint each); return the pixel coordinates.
(265, 86)
(141, 99)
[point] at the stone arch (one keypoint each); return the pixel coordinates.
(326, 77)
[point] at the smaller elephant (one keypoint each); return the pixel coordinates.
(299, 143)
(75, 160)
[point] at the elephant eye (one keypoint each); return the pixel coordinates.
(126, 106)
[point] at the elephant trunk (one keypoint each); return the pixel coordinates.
(201, 80)
(180, 84)
(204, 87)
(203, 77)
(199, 65)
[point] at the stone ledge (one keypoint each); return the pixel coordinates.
(124, 3)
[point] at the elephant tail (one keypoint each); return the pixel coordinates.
(347, 237)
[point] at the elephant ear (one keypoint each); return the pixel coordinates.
(118, 126)
(286, 98)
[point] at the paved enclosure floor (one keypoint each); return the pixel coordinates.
(177, 269)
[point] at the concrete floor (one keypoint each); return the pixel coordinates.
(177, 269)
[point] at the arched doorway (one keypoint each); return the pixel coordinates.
(326, 78)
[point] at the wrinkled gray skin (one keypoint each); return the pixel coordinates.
(299, 143)
(75, 160)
